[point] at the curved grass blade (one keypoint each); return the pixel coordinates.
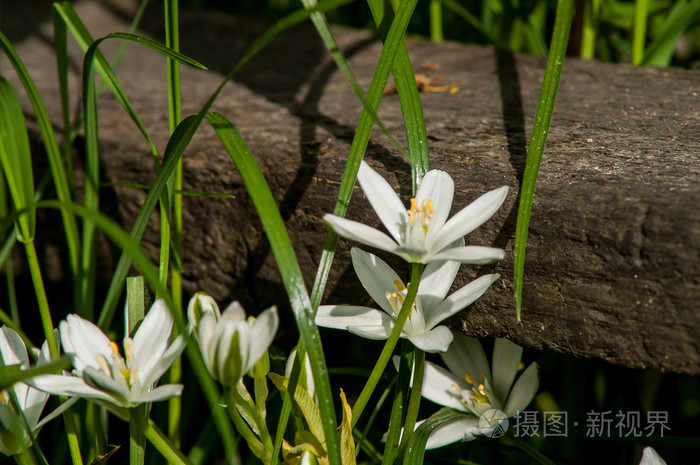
(131, 249)
(53, 152)
(538, 139)
(415, 450)
(394, 40)
(287, 263)
(660, 51)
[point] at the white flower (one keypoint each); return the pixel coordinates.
(230, 344)
(388, 290)
(103, 375)
(13, 435)
(422, 233)
(650, 457)
(472, 387)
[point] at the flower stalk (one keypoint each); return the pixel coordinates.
(385, 356)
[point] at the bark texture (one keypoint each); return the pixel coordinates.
(613, 256)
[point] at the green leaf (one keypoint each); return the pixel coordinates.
(16, 161)
(538, 139)
(139, 300)
(11, 374)
(306, 405)
(660, 51)
(415, 451)
(287, 263)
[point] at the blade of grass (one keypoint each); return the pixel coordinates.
(359, 144)
(660, 51)
(289, 269)
(590, 28)
(436, 21)
(641, 17)
(172, 41)
(538, 139)
(415, 450)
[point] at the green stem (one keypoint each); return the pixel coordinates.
(256, 446)
(156, 437)
(590, 28)
(391, 448)
(73, 444)
(137, 438)
(414, 400)
(25, 458)
(436, 21)
(43, 302)
(385, 356)
(641, 15)
(172, 40)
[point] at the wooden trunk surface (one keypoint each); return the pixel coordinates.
(613, 256)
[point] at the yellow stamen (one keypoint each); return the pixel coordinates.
(102, 361)
(126, 373)
(399, 285)
(114, 346)
(469, 378)
(411, 211)
(456, 388)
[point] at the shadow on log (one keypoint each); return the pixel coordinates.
(613, 258)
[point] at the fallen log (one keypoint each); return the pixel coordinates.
(613, 257)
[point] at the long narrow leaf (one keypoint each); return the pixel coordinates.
(415, 450)
(660, 51)
(288, 265)
(538, 139)
(16, 160)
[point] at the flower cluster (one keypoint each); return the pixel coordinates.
(423, 234)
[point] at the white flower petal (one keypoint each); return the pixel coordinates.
(435, 283)
(651, 457)
(466, 356)
(116, 388)
(473, 254)
(442, 387)
(361, 233)
(342, 316)
(68, 386)
(152, 337)
(376, 333)
(383, 199)
(162, 393)
(435, 340)
(469, 218)
(523, 391)
(437, 187)
(376, 277)
(464, 428)
(12, 348)
(33, 405)
(459, 300)
(262, 333)
(163, 363)
(504, 366)
(200, 306)
(234, 314)
(84, 341)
